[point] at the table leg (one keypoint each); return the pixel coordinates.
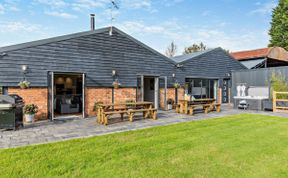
(181, 108)
(186, 108)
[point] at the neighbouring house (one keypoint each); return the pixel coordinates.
(68, 74)
(207, 74)
(262, 58)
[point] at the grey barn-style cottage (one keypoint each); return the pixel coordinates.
(68, 74)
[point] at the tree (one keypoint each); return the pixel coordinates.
(279, 25)
(195, 48)
(171, 50)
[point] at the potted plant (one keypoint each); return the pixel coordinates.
(170, 103)
(176, 85)
(24, 84)
(116, 84)
(30, 110)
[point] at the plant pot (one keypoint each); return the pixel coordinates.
(23, 87)
(116, 86)
(29, 118)
(170, 106)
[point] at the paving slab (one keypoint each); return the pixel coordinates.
(59, 130)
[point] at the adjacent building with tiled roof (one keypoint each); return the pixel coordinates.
(262, 58)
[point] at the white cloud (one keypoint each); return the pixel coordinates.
(81, 5)
(53, 3)
(10, 27)
(263, 8)
(137, 4)
(61, 14)
(158, 36)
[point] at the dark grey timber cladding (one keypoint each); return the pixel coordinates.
(212, 64)
(94, 53)
(256, 77)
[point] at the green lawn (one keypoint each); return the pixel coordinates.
(236, 146)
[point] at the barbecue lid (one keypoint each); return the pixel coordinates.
(5, 106)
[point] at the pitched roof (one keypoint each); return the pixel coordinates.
(252, 64)
(76, 35)
(251, 54)
(185, 57)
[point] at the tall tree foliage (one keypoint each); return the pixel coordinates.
(279, 25)
(195, 48)
(171, 50)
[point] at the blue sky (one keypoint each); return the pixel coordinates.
(230, 24)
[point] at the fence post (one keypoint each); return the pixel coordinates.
(274, 101)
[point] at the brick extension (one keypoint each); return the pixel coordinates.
(38, 96)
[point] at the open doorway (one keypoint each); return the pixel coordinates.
(148, 89)
(66, 95)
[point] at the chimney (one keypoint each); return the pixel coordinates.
(92, 21)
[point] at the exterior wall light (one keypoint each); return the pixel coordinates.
(228, 75)
(173, 75)
(3, 54)
(113, 73)
(24, 69)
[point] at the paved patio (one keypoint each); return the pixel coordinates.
(58, 130)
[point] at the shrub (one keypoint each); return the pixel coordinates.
(279, 84)
(30, 109)
(24, 84)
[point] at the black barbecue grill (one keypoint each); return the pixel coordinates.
(11, 111)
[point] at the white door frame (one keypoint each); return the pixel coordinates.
(52, 92)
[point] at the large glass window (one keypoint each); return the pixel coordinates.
(201, 88)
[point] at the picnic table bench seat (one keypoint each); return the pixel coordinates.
(177, 108)
(109, 113)
(146, 113)
(205, 107)
(216, 106)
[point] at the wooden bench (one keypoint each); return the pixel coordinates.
(146, 113)
(205, 107)
(107, 114)
(216, 106)
(177, 108)
(191, 109)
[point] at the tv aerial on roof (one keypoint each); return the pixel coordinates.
(113, 6)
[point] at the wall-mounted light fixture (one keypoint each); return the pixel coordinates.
(228, 75)
(3, 54)
(173, 75)
(24, 69)
(113, 73)
(179, 65)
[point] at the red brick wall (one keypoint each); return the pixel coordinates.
(123, 94)
(169, 95)
(181, 94)
(93, 95)
(105, 95)
(38, 96)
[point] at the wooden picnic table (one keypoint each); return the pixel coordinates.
(121, 108)
(184, 104)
